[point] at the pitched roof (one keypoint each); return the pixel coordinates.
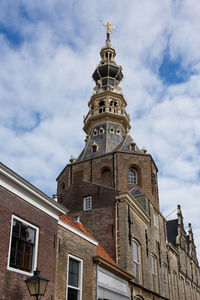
(77, 225)
(100, 250)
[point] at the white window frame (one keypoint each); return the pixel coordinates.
(87, 199)
(138, 261)
(80, 276)
(35, 249)
(154, 272)
(132, 176)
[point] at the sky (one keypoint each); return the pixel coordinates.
(48, 52)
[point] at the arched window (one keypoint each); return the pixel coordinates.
(136, 261)
(132, 146)
(101, 130)
(94, 147)
(154, 272)
(106, 177)
(132, 176)
(95, 132)
(118, 132)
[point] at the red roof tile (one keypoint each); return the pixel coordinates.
(100, 250)
(77, 225)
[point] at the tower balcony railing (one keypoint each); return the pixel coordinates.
(102, 110)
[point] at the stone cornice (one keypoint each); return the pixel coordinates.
(173, 248)
(112, 267)
(126, 197)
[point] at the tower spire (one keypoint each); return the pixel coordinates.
(107, 123)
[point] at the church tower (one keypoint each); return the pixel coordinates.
(111, 157)
(112, 188)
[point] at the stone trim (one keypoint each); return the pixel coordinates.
(135, 206)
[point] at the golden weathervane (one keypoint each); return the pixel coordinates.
(108, 27)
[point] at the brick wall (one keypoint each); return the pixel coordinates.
(12, 286)
(99, 221)
(70, 243)
(92, 170)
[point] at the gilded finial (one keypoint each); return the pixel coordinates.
(108, 27)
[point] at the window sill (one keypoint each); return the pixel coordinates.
(20, 271)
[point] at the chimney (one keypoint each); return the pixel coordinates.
(55, 197)
(77, 219)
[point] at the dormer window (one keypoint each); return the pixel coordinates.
(112, 130)
(132, 146)
(101, 131)
(118, 132)
(95, 132)
(94, 148)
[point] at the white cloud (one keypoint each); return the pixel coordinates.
(45, 85)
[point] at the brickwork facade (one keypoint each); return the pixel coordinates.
(126, 220)
(71, 244)
(11, 283)
(118, 164)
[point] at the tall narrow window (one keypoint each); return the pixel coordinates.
(74, 290)
(165, 280)
(189, 294)
(94, 148)
(154, 272)
(132, 176)
(136, 261)
(23, 246)
(182, 289)
(174, 282)
(155, 222)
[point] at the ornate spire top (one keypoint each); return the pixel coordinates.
(108, 27)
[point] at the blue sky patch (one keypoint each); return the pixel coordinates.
(171, 70)
(21, 128)
(14, 38)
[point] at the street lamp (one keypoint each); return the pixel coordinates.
(37, 284)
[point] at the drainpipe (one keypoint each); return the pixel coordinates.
(116, 231)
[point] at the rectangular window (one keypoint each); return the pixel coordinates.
(74, 290)
(87, 203)
(23, 246)
(155, 222)
(136, 261)
(154, 272)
